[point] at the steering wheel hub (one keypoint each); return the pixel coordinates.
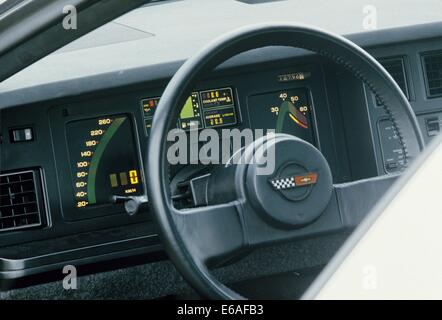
(298, 190)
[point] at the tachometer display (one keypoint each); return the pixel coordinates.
(190, 116)
(285, 111)
(104, 160)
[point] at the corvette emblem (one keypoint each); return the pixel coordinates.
(294, 181)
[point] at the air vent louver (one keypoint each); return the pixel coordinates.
(19, 201)
(433, 72)
(396, 68)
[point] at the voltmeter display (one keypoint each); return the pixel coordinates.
(103, 159)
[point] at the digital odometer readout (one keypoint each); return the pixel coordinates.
(203, 109)
(103, 160)
(218, 106)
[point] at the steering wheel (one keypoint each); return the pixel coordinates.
(247, 209)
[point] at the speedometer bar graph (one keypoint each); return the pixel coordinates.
(98, 154)
(104, 160)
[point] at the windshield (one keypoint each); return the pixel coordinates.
(340, 16)
(161, 32)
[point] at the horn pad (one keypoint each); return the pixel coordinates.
(296, 189)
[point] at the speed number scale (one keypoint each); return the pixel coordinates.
(104, 160)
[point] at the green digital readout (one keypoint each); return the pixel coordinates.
(190, 117)
(203, 109)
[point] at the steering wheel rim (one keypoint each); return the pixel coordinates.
(335, 47)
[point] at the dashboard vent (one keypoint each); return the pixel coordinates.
(19, 201)
(433, 73)
(396, 68)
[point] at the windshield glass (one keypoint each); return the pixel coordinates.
(165, 31)
(338, 16)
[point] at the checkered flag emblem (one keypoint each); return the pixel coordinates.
(284, 183)
(295, 181)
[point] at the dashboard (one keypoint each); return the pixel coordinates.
(86, 152)
(100, 163)
(104, 156)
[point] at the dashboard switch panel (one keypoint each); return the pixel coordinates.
(392, 150)
(432, 126)
(21, 135)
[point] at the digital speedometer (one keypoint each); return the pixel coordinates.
(104, 160)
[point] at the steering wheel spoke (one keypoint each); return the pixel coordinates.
(356, 199)
(212, 232)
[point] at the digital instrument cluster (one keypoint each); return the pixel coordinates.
(104, 153)
(203, 109)
(104, 160)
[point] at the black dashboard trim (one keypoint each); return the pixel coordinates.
(16, 263)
